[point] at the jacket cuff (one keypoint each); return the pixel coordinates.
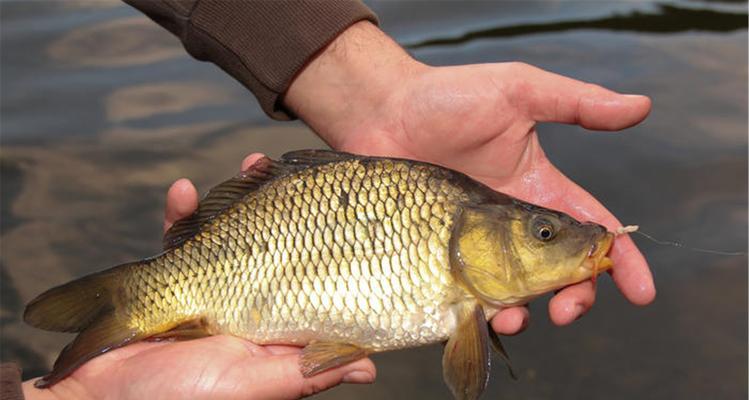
(10, 382)
(262, 44)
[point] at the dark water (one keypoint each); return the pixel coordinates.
(101, 110)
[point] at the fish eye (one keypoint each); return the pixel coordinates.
(543, 229)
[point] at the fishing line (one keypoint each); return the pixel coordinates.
(636, 229)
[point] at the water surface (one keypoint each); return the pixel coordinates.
(102, 110)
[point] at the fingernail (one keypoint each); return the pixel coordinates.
(358, 377)
(579, 310)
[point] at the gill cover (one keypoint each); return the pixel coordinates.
(481, 255)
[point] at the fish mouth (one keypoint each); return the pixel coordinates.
(596, 260)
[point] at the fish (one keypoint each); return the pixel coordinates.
(345, 255)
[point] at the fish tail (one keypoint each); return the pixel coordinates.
(88, 306)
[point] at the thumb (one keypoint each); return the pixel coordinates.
(549, 97)
(280, 377)
(181, 201)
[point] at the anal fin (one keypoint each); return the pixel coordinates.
(318, 357)
(466, 361)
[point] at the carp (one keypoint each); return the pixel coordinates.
(345, 255)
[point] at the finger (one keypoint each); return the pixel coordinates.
(181, 201)
(511, 321)
(281, 377)
(549, 97)
(267, 350)
(630, 272)
(281, 350)
(629, 275)
(182, 198)
(251, 159)
(571, 303)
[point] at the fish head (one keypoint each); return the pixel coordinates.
(507, 254)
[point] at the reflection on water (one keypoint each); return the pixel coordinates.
(90, 4)
(118, 43)
(167, 97)
(667, 19)
(101, 110)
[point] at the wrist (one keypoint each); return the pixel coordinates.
(348, 81)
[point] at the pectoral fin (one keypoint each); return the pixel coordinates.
(321, 356)
(500, 350)
(466, 360)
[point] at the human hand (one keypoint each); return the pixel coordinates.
(364, 94)
(216, 367)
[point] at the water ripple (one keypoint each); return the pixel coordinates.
(668, 19)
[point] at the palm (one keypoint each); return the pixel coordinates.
(458, 117)
(480, 119)
(218, 367)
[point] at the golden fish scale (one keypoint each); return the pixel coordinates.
(349, 251)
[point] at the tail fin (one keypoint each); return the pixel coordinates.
(87, 306)
(73, 306)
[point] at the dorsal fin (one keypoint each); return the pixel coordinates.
(224, 195)
(315, 157)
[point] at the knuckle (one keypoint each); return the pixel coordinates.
(519, 66)
(311, 387)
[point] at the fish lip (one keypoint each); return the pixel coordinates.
(596, 260)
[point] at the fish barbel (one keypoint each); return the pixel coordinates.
(344, 254)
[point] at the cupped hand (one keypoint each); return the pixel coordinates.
(478, 119)
(216, 367)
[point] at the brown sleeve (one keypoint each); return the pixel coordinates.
(10, 382)
(262, 44)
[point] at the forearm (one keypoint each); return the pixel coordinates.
(350, 79)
